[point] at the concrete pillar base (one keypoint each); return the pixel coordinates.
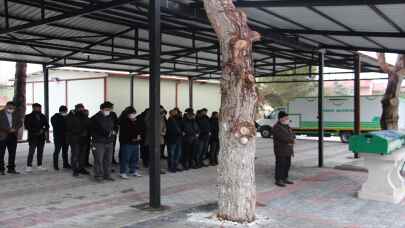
(384, 182)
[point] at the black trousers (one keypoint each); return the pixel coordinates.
(77, 159)
(283, 165)
(214, 150)
(145, 155)
(11, 144)
(60, 144)
(190, 154)
(35, 143)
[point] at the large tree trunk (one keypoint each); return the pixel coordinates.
(390, 101)
(236, 173)
(20, 92)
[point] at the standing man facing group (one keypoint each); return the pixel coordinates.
(9, 125)
(283, 140)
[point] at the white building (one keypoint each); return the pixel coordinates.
(69, 87)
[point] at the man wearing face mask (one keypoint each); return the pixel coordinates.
(77, 133)
(102, 128)
(58, 122)
(9, 125)
(283, 140)
(37, 125)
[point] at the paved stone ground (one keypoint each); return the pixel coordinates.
(320, 197)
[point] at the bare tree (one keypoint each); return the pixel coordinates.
(20, 91)
(236, 172)
(390, 101)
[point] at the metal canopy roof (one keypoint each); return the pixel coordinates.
(113, 34)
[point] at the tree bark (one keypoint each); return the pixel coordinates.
(236, 172)
(20, 92)
(390, 101)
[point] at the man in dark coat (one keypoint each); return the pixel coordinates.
(205, 132)
(9, 125)
(214, 139)
(191, 133)
(77, 133)
(283, 140)
(174, 141)
(58, 122)
(103, 133)
(38, 127)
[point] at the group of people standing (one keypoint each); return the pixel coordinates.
(192, 139)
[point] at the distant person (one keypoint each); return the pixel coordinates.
(283, 140)
(38, 127)
(77, 133)
(9, 125)
(190, 139)
(129, 137)
(58, 122)
(148, 133)
(214, 139)
(88, 142)
(144, 150)
(114, 116)
(174, 141)
(205, 133)
(103, 134)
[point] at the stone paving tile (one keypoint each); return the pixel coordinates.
(55, 199)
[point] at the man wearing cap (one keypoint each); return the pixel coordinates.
(77, 133)
(283, 140)
(58, 122)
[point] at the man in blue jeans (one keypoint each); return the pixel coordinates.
(129, 137)
(174, 141)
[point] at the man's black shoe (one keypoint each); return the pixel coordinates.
(89, 165)
(56, 168)
(109, 179)
(280, 184)
(2, 172)
(13, 172)
(75, 174)
(67, 166)
(288, 182)
(85, 172)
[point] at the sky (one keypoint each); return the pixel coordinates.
(7, 69)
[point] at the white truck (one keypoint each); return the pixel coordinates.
(338, 116)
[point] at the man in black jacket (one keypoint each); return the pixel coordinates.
(190, 139)
(58, 122)
(205, 132)
(38, 127)
(283, 141)
(214, 139)
(174, 141)
(102, 126)
(77, 133)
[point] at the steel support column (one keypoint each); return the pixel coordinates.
(131, 91)
(357, 71)
(46, 93)
(190, 92)
(154, 104)
(321, 58)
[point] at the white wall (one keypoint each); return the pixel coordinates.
(89, 92)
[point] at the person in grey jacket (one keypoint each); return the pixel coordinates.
(283, 140)
(103, 135)
(9, 125)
